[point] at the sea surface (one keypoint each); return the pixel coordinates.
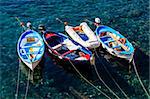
(129, 17)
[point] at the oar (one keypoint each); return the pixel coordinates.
(20, 22)
(122, 45)
(65, 23)
(59, 20)
(89, 21)
(18, 19)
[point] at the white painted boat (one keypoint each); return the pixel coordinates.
(85, 36)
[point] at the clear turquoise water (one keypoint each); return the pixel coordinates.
(130, 17)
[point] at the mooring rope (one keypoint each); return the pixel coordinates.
(112, 77)
(88, 81)
(27, 87)
(136, 72)
(105, 83)
(18, 79)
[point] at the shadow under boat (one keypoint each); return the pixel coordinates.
(104, 59)
(115, 64)
(83, 66)
(36, 75)
(140, 58)
(88, 72)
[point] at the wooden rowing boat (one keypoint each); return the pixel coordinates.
(83, 35)
(30, 48)
(115, 43)
(65, 48)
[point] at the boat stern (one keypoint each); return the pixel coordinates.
(94, 44)
(92, 60)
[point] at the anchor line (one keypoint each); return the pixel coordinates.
(88, 81)
(27, 87)
(111, 77)
(105, 83)
(136, 72)
(18, 80)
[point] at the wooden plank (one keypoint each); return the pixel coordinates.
(122, 45)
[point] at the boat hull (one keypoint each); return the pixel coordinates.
(108, 35)
(86, 37)
(65, 49)
(30, 48)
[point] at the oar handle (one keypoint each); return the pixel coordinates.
(89, 21)
(65, 23)
(59, 20)
(17, 19)
(122, 45)
(20, 23)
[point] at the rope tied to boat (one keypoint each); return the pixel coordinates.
(109, 75)
(27, 87)
(143, 87)
(88, 81)
(18, 79)
(105, 83)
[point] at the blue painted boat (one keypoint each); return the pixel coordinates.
(65, 48)
(115, 43)
(30, 48)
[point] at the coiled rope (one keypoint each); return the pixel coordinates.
(110, 76)
(88, 81)
(140, 79)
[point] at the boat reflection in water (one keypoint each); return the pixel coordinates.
(35, 75)
(54, 68)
